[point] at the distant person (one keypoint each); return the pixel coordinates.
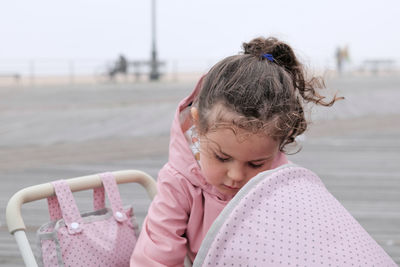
(342, 58)
(237, 122)
(346, 58)
(121, 66)
(339, 59)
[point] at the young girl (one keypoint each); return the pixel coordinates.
(236, 123)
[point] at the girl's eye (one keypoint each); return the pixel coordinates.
(222, 159)
(255, 166)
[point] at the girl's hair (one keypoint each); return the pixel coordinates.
(258, 93)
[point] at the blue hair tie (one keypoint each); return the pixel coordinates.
(269, 57)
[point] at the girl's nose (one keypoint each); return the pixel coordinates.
(236, 173)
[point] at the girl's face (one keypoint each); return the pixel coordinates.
(229, 163)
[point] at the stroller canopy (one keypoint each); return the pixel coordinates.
(286, 217)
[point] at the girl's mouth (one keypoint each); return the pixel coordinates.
(231, 188)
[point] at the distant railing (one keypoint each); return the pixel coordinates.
(379, 65)
(15, 76)
(89, 70)
(92, 70)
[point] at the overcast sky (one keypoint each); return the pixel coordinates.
(197, 32)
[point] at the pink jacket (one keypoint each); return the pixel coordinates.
(184, 207)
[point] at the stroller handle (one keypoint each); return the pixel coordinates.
(41, 191)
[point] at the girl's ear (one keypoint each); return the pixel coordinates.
(195, 115)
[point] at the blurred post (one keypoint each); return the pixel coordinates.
(71, 71)
(154, 73)
(32, 71)
(175, 70)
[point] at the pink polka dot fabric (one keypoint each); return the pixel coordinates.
(98, 198)
(286, 217)
(54, 208)
(49, 248)
(101, 238)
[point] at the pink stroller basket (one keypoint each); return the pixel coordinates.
(286, 217)
(16, 224)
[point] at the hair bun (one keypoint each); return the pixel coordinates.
(255, 47)
(282, 53)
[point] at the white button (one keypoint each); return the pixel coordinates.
(74, 225)
(119, 214)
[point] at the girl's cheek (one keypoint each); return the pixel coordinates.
(210, 169)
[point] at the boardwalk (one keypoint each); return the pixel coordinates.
(48, 133)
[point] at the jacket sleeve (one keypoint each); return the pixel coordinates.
(162, 241)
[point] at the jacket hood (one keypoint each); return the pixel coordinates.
(181, 157)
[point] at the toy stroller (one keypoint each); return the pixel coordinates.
(89, 239)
